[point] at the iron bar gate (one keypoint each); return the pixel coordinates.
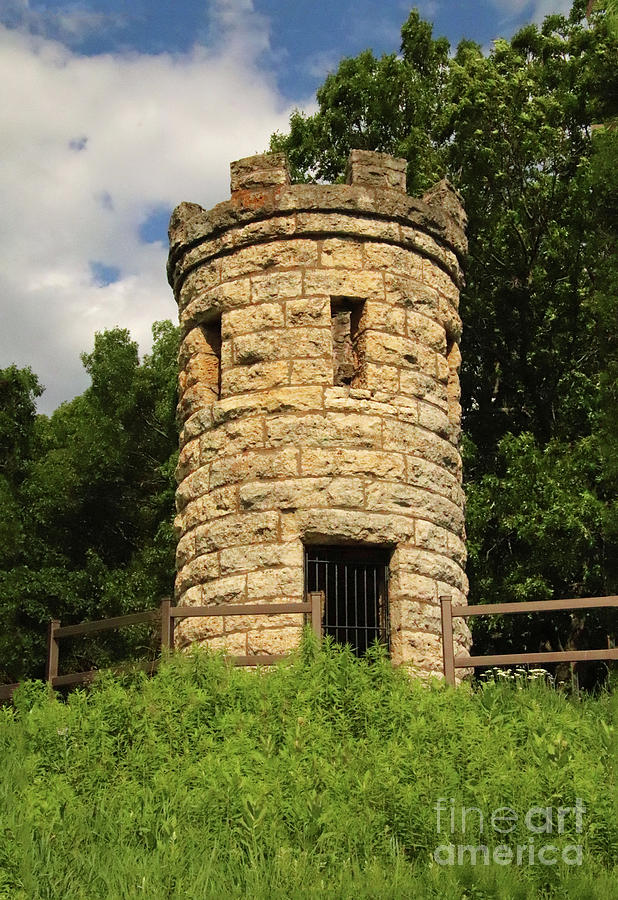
(354, 581)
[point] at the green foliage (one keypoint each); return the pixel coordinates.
(317, 778)
(86, 527)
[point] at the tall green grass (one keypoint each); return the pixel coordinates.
(317, 778)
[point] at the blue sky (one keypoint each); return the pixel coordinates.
(113, 111)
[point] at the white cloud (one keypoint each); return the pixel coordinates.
(90, 146)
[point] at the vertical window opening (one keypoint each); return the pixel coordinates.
(453, 361)
(211, 374)
(345, 314)
(354, 581)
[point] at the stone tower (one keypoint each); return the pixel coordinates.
(319, 402)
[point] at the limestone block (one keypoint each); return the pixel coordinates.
(331, 430)
(278, 400)
(258, 377)
(256, 318)
(261, 347)
(199, 283)
(262, 170)
(292, 494)
(203, 368)
(412, 501)
(420, 384)
(308, 311)
(191, 631)
(435, 565)
(344, 283)
(411, 293)
(275, 286)
(372, 169)
(430, 536)
(341, 223)
(273, 640)
(393, 259)
(340, 461)
(382, 317)
(420, 442)
(411, 587)
(188, 460)
(318, 526)
(261, 556)
(231, 644)
(378, 377)
(436, 278)
(197, 423)
(394, 350)
(218, 502)
(426, 330)
(244, 528)
(254, 464)
(185, 549)
(310, 342)
(419, 648)
(283, 582)
(312, 371)
(254, 232)
(273, 254)
(342, 254)
(199, 570)
(230, 589)
(457, 549)
(421, 617)
(214, 302)
(266, 620)
(433, 418)
(196, 341)
(359, 400)
(195, 398)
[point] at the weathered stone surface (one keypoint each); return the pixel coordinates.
(259, 171)
(366, 167)
(319, 389)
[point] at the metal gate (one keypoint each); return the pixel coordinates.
(354, 581)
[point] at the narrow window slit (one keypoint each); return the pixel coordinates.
(345, 314)
(212, 358)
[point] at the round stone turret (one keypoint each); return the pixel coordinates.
(319, 400)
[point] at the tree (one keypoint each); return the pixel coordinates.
(92, 506)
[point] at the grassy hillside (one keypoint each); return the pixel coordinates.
(318, 778)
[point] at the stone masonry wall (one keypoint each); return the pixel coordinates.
(295, 433)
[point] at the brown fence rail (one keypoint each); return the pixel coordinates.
(450, 612)
(166, 615)
(312, 607)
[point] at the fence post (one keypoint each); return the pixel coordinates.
(448, 652)
(166, 625)
(53, 651)
(315, 598)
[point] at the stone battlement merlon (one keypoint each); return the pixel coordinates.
(261, 191)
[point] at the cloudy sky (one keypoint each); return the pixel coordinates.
(113, 111)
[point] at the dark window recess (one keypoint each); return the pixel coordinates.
(354, 581)
(345, 314)
(211, 361)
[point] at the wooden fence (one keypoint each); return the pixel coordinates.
(167, 614)
(450, 612)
